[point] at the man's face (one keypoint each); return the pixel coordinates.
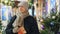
(22, 9)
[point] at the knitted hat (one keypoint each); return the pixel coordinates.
(24, 4)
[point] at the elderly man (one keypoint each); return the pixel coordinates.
(25, 22)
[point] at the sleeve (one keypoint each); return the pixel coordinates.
(9, 26)
(9, 29)
(31, 26)
(34, 26)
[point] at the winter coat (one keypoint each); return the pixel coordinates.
(30, 25)
(28, 22)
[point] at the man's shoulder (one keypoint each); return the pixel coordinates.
(29, 17)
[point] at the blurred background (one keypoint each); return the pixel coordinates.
(46, 13)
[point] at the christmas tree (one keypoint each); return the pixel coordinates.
(0, 26)
(51, 25)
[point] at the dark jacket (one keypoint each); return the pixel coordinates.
(30, 25)
(10, 27)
